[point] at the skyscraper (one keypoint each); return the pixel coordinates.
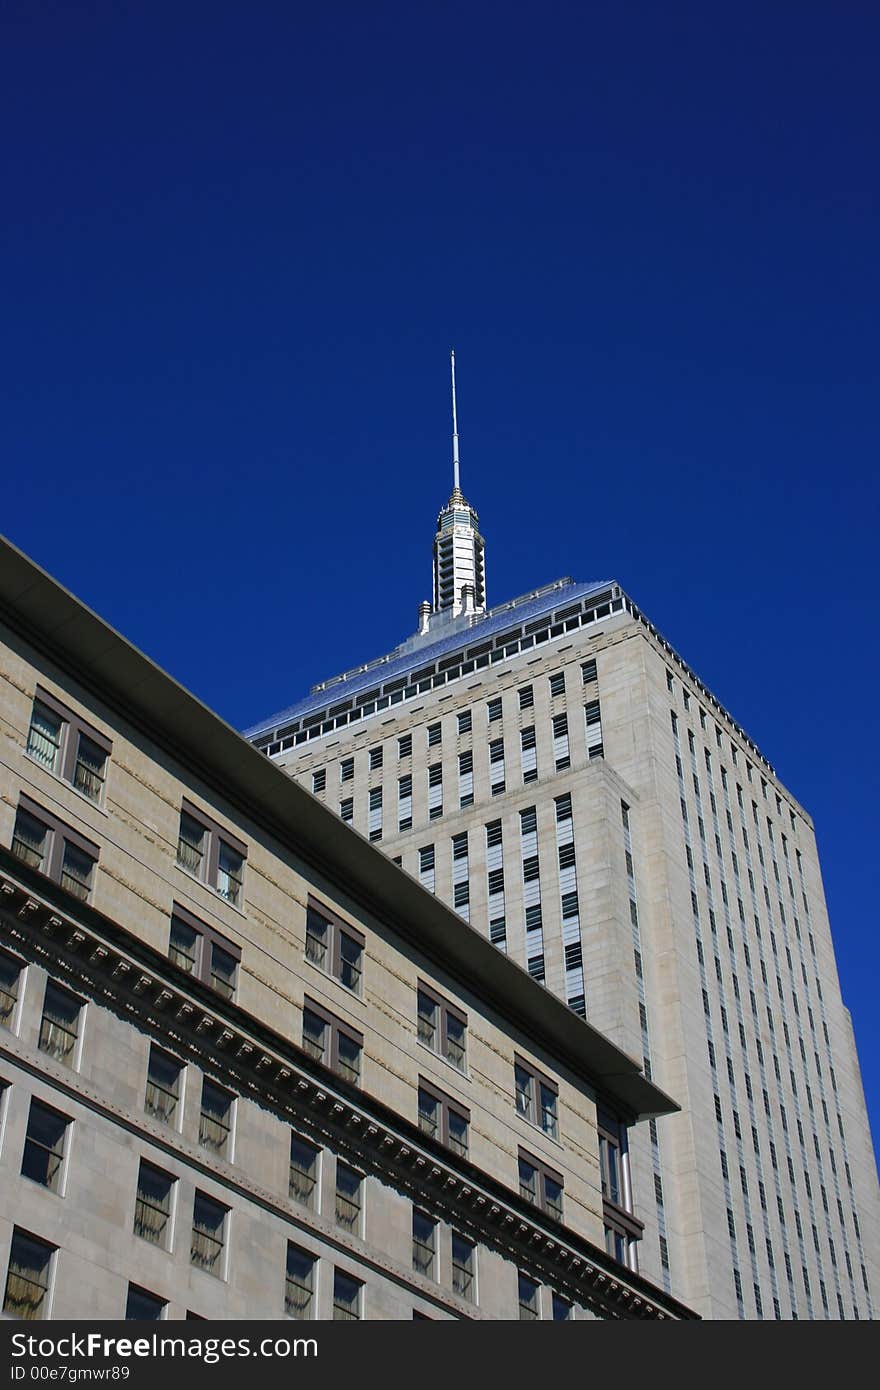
(556, 772)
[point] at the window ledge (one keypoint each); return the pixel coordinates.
(457, 1071)
(214, 894)
(63, 782)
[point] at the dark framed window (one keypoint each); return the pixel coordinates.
(143, 1306)
(152, 1208)
(10, 977)
(319, 780)
(540, 1185)
(404, 746)
(464, 721)
(529, 1295)
(464, 1262)
(43, 1158)
(163, 1085)
(442, 1026)
(67, 745)
(376, 758)
(203, 952)
(334, 946)
(60, 1023)
(349, 1197)
(208, 1234)
(46, 844)
(526, 697)
(493, 710)
(215, 1118)
(588, 671)
(211, 854)
(346, 809)
(434, 735)
(299, 1285)
(537, 1097)
(28, 1277)
(557, 683)
(346, 1296)
(561, 1308)
(346, 770)
(332, 1041)
(304, 1160)
(621, 1227)
(443, 1118)
(424, 1240)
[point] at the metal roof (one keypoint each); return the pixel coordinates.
(507, 615)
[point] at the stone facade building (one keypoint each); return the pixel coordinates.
(554, 771)
(249, 1067)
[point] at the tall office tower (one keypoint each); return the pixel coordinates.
(558, 774)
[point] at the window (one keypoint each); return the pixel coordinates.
(349, 1184)
(143, 1306)
(404, 802)
(208, 1234)
(442, 1026)
(435, 791)
(529, 1308)
(28, 1277)
(46, 844)
(404, 746)
(334, 946)
(540, 1185)
(610, 1154)
(561, 749)
(426, 867)
(443, 1119)
(466, 779)
(529, 755)
(163, 1085)
(463, 1267)
(493, 710)
(10, 974)
(346, 1296)
(464, 722)
(557, 683)
(299, 1287)
(215, 1118)
(319, 780)
(561, 1308)
(59, 1026)
(211, 854)
(65, 744)
(526, 697)
(200, 951)
(375, 758)
(536, 1097)
(303, 1171)
(346, 809)
(588, 671)
(331, 1041)
(424, 1238)
(434, 735)
(43, 1157)
(621, 1228)
(346, 770)
(152, 1208)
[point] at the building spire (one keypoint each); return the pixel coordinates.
(455, 477)
(459, 550)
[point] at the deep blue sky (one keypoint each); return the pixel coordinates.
(239, 240)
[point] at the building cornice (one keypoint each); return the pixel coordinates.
(120, 972)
